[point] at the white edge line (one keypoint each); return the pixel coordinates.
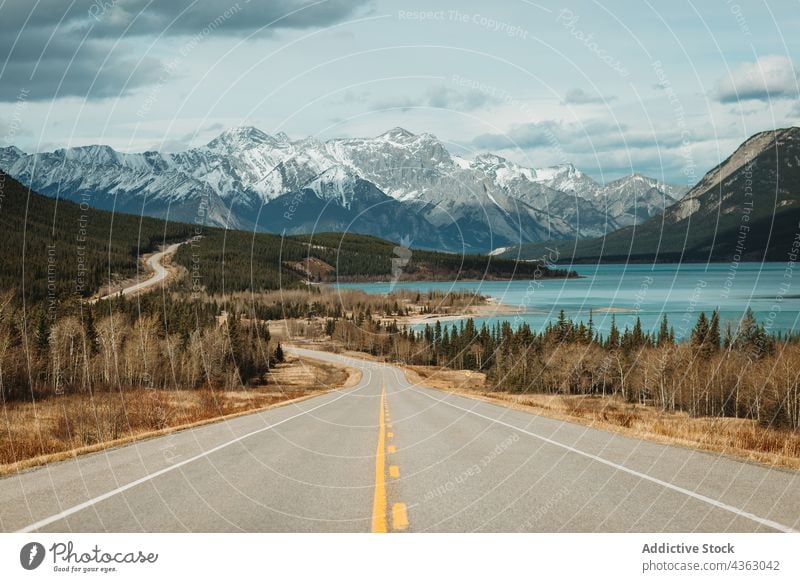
(730, 508)
(668, 485)
(719, 504)
(86, 504)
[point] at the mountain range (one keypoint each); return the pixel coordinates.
(57, 252)
(745, 209)
(399, 186)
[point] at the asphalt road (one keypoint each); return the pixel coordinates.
(389, 456)
(154, 265)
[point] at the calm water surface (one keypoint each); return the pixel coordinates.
(646, 291)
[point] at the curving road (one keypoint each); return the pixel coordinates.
(387, 455)
(155, 266)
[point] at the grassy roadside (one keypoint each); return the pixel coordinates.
(736, 437)
(68, 426)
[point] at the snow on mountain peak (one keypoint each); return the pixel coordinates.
(244, 166)
(503, 171)
(636, 184)
(9, 155)
(336, 183)
(245, 137)
(559, 171)
(12, 150)
(489, 159)
(397, 134)
(567, 178)
(91, 154)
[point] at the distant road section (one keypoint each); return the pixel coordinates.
(155, 266)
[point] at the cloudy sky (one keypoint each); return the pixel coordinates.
(668, 89)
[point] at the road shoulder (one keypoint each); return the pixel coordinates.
(296, 382)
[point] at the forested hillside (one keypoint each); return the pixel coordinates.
(56, 249)
(233, 261)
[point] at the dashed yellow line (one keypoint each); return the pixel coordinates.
(399, 516)
(379, 501)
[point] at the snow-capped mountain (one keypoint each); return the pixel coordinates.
(535, 187)
(395, 184)
(626, 201)
(567, 178)
(747, 208)
(633, 199)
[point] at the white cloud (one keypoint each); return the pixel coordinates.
(440, 98)
(581, 97)
(770, 77)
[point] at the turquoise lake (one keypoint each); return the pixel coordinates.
(645, 291)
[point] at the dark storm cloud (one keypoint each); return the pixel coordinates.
(59, 49)
(173, 17)
(43, 67)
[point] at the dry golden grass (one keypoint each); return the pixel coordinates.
(62, 427)
(447, 379)
(736, 437)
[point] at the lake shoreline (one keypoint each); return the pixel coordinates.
(492, 308)
(624, 293)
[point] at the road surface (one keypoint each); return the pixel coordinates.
(386, 455)
(155, 266)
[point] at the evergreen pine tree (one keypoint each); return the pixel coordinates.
(42, 333)
(700, 331)
(663, 332)
(330, 327)
(562, 327)
(613, 340)
(637, 337)
(727, 342)
(90, 330)
(713, 338)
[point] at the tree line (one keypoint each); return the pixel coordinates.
(123, 344)
(233, 261)
(738, 372)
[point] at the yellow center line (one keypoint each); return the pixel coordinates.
(379, 502)
(399, 516)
